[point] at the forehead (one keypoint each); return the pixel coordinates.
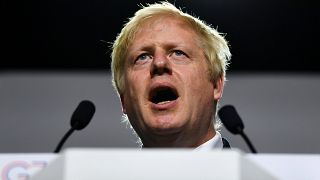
(168, 26)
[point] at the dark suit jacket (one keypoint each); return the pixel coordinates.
(226, 144)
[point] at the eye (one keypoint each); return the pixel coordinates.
(178, 53)
(143, 57)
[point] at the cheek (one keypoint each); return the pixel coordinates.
(135, 84)
(130, 95)
(198, 76)
(200, 85)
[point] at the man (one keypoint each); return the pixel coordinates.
(168, 68)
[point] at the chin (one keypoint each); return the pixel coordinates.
(165, 125)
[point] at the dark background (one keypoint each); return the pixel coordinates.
(51, 35)
(269, 35)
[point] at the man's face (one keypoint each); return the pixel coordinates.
(168, 95)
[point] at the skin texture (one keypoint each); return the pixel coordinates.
(166, 52)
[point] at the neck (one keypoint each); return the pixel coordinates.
(177, 140)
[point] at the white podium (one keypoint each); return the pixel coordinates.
(152, 164)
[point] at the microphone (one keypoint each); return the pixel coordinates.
(79, 120)
(233, 123)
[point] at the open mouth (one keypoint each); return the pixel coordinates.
(162, 95)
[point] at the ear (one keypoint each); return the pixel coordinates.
(218, 87)
(123, 104)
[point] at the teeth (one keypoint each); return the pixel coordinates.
(163, 102)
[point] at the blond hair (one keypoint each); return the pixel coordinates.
(215, 46)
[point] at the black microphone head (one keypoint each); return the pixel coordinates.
(230, 119)
(82, 115)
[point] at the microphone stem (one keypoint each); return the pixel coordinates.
(244, 136)
(63, 140)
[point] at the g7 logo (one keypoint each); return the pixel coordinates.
(21, 170)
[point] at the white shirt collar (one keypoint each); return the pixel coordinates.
(214, 143)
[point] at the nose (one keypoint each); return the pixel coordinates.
(160, 65)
